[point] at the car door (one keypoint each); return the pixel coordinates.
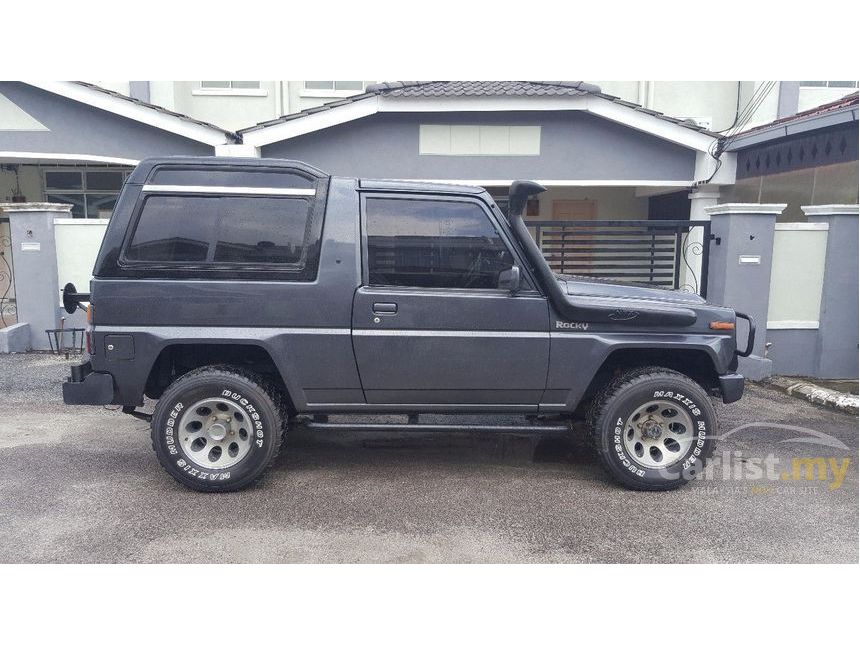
(431, 327)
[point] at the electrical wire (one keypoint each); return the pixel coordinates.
(752, 108)
(742, 118)
(748, 110)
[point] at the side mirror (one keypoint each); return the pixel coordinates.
(510, 279)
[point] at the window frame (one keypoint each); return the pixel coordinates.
(333, 92)
(229, 91)
(84, 191)
(305, 271)
(528, 283)
(826, 85)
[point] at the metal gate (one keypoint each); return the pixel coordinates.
(8, 309)
(667, 253)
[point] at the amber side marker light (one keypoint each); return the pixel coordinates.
(722, 325)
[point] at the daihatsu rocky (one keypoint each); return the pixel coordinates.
(247, 295)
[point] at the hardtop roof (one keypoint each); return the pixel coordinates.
(145, 168)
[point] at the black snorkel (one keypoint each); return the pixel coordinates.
(580, 308)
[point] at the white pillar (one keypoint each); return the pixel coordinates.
(740, 271)
(694, 243)
(34, 249)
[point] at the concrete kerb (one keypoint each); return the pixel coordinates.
(816, 394)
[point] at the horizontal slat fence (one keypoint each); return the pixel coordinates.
(643, 251)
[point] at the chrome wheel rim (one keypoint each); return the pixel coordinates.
(215, 433)
(658, 434)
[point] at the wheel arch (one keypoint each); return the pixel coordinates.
(176, 358)
(696, 362)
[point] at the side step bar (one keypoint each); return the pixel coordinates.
(437, 427)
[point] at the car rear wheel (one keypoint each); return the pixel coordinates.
(217, 428)
(652, 428)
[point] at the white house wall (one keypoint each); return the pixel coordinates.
(231, 111)
(713, 101)
(235, 110)
(78, 242)
(716, 101)
(810, 97)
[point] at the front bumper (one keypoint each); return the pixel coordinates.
(732, 387)
(85, 387)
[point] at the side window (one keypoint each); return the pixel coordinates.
(434, 244)
(222, 230)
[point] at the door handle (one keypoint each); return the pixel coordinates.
(384, 308)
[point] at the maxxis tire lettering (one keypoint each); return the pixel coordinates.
(619, 449)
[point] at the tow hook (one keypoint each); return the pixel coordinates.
(131, 411)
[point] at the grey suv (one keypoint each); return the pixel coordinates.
(247, 295)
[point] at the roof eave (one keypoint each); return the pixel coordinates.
(789, 128)
(139, 111)
(370, 103)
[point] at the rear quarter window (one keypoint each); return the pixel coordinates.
(222, 232)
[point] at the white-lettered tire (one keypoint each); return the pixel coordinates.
(217, 428)
(652, 428)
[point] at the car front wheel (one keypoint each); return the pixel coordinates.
(652, 428)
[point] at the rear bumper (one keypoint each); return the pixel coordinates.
(85, 387)
(732, 387)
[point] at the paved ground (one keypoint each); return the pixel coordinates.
(82, 485)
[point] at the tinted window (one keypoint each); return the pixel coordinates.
(64, 180)
(243, 230)
(105, 180)
(425, 243)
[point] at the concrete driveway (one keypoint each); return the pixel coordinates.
(82, 485)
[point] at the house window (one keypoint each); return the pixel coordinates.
(92, 193)
(229, 85)
(229, 88)
(335, 86)
(848, 84)
(484, 140)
